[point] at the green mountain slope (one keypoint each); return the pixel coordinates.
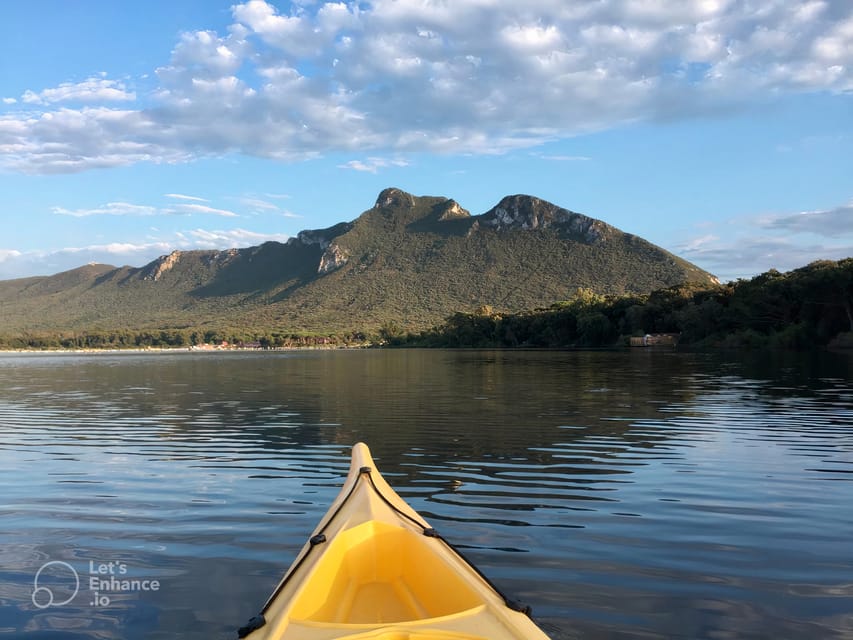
(411, 260)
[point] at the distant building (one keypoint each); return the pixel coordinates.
(656, 340)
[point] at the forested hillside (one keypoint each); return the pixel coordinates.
(808, 307)
(407, 260)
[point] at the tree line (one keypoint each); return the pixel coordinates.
(801, 309)
(176, 338)
(804, 308)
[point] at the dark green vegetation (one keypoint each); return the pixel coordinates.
(407, 262)
(804, 308)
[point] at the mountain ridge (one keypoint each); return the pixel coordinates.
(411, 259)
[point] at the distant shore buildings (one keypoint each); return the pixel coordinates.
(656, 340)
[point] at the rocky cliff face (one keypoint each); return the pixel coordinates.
(221, 258)
(311, 236)
(529, 213)
(450, 210)
(162, 265)
(334, 257)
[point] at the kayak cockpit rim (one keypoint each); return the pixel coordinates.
(360, 474)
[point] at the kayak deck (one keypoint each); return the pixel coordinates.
(375, 570)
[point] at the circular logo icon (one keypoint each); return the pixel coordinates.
(61, 575)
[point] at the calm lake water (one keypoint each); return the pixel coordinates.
(622, 495)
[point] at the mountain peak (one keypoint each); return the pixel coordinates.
(450, 210)
(393, 196)
(413, 259)
(528, 212)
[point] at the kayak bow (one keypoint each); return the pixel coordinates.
(375, 570)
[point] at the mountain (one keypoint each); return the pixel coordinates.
(411, 260)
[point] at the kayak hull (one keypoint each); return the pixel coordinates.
(375, 570)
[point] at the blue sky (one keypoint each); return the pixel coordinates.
(720, 130)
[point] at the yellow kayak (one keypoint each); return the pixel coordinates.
(375, 570)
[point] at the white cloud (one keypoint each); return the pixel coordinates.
(206, 53)
(109, 209)
(372, 165)
(91, 90)
(257, 204)
(24, 264)
(533, 38)
(204, 238)
(9, 101)
(200, 208)
(181, 196)
(128, 209)
(70, 140)
(697, 244)
(396, 76)
(9, 254)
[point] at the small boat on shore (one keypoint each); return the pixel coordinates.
(375, 570)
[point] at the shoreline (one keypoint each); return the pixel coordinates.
(176, 350)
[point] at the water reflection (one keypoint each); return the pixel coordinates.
(624, 495)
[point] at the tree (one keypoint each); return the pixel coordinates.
(391, 333)
(595, 329)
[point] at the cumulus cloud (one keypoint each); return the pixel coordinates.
(71, 140)
(397, 76)
(92, 90)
